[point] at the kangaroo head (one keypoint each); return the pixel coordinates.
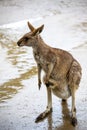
(30, 39)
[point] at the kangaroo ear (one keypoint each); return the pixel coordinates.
(38, 30)
(30, 26)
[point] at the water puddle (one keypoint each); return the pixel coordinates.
(8, 89)
(13, 59)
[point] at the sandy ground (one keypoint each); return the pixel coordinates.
(20, 100)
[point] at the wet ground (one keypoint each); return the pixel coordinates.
(20, 100)
(15, 11)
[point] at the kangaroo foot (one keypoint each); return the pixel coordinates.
(74, 121)
(43, 115)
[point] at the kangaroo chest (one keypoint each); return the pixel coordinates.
(40, 59)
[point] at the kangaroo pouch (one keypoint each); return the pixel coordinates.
(63, 93)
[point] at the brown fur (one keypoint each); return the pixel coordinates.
(62, 71)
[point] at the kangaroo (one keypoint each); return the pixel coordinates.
(62, 72)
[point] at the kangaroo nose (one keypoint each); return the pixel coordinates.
(18, 43)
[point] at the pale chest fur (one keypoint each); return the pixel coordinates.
(41, 60)
(44, 59)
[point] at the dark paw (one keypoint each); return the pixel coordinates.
(42, 116)
(63, 100)
(49, 84)
(39, 86)
(74, 121)
(39, 118)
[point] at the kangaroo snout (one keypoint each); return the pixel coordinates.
(18, 43)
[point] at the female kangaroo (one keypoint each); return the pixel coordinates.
(62, 71)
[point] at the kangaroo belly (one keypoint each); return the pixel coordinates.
(63, 93)
(60, 88)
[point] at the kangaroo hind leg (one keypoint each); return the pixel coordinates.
(74, 119)
(48, 108)
(74, 81)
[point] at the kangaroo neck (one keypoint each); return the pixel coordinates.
(39, 45)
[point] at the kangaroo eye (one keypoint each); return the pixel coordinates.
(26, 38)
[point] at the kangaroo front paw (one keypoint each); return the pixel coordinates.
(64, 100)
(47, 84)
(39, 84)
(74, 121)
